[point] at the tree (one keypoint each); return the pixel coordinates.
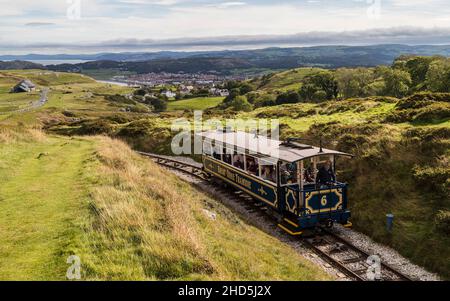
(417, 67)
(160, 105)
(438, 76)
(233, 94)
(320, 96)
(396, 83)
(325, 81)
(307, 91)
(354, 82)
(246, 88)
(240, 103)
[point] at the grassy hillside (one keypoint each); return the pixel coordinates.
(123, 216)
(284, 81)
(401, 147)
(200, 103)
(42, 202)
(401, 165)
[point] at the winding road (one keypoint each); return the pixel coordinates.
(34, 105)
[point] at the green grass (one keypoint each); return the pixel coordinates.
(201, 103)
(41, 200)
(123, 216)
(288, 80)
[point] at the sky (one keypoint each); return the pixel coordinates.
(88, 26)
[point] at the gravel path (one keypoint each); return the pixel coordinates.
(263, 222)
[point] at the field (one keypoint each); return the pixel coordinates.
(124, 217)
(201, 103)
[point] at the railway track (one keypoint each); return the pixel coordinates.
(337, 251)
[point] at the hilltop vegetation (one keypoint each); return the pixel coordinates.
(407, 75)
(399, 134)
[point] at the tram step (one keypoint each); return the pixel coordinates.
(289, 228)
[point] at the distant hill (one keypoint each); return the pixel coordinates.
(226, 62)
(19, 65)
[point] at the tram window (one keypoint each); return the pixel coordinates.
(288, 172)
(238, 161)
(252, 166)
(207, 149)
(227, 158)
(309, 172)
(268, 173)
(216, 156)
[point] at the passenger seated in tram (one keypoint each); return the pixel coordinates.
(238, 161)
(326, 176)
(308, 175)
(227, 158)
(288, 173)
(268, 174)
(252, 166)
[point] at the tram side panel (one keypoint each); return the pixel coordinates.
(256, 188)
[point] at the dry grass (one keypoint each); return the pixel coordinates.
(22, 134)
(147, 224)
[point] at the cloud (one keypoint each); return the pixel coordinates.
(400, 35)
(39, 24)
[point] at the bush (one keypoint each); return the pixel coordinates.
(433, 179)
(288, 97)
(240, 103)
(265, 101)
(351, 142)
(95, 127)
(320, 96)
(433, 113)
(160, 105)
(120, 99)
(136, 128)
(442, 221)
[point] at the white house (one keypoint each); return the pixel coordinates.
(169, 94)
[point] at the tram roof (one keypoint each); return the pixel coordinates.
(266, 147)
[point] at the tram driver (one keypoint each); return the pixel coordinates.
(326, 176)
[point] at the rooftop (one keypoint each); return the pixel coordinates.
(266, 147)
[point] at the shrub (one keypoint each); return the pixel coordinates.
(240, 103)
(136, 128)
(288, 97)
(432, 113)
(442, 221)
(95, 127)
(433, 179)
(160, 105)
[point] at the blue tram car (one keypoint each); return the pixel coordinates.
(284, 175)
